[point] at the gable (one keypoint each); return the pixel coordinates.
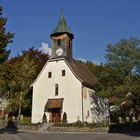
(56, 67)
(80, 71)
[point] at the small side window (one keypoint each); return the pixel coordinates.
(49, 74)
(63, 72)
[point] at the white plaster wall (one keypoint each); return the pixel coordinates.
(69, 89)
(99, 108)
(87, 105)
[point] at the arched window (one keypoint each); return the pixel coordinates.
(56, 89)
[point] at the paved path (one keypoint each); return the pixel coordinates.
(9, 137)
(68, 136)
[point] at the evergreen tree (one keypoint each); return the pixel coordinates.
(5, 38)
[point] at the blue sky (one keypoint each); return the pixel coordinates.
(94, 23)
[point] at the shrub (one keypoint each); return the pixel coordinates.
(25, 121)
(64, 119)
(83, 124)
(11, 124)
(78, 124)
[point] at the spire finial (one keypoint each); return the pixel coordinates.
(62, 13)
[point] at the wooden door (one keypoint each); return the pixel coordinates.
(56, 117)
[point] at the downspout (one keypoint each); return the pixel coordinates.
(82, 106)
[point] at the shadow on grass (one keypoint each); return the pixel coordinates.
(127, 128)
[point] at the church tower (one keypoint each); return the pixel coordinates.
(62, 39)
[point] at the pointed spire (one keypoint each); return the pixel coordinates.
(62, 27)
(62, 13)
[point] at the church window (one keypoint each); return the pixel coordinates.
(49, 74)
(63, 72)
(56, 89)
(59, 42)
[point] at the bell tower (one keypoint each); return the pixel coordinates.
(62, 39)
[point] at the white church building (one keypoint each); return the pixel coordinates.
(65, 85)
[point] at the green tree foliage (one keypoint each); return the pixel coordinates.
(19, 77)
(124, 59)
(5, 38)
(37, 56)
(18, 74)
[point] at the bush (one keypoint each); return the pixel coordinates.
(64, 120)
(125, 127)
(11, 124)
(25, 121)
(83, 124)
(78, 124)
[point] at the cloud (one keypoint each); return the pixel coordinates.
(45, 48)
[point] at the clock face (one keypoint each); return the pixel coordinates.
(59, 52)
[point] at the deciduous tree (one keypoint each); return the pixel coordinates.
(17, 75)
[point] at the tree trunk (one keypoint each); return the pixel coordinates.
(19, 108)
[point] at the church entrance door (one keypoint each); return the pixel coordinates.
(55, 116)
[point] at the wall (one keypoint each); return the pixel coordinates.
(69, 89)
(95, 109)
(99, 108)
(87, 113)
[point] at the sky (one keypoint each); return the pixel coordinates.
(94, 23)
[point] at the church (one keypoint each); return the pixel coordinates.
(66, 86)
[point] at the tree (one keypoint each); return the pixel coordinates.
(5, 38)
(124, 59)
(37, 56)
(17, 75)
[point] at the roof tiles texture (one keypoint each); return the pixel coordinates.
(83, 73)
